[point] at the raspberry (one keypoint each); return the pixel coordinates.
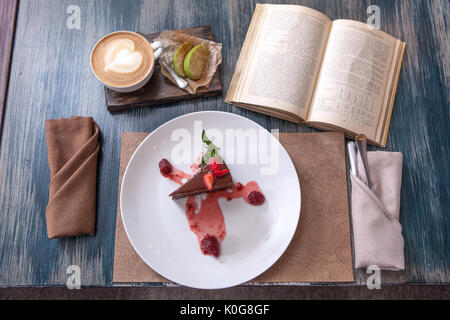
(239, 186)
(165, 167)
(256, 198)
(210, 245)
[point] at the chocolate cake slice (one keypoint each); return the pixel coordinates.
(196, 185)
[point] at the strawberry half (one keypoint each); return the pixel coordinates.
(221, 173)
(213, 165)
(208, 180)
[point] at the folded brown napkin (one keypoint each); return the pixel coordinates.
(72, 157)
(377, 232)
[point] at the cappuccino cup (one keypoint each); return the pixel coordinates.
(124, 61)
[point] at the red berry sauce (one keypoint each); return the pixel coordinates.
(204, 215)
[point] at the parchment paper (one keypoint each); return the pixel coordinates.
(171, 40)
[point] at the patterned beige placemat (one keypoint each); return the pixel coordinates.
(320, 250)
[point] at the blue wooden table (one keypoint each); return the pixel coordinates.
(50, 78)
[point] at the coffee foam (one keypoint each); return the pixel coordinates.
(122, 59)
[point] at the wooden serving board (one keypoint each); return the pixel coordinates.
(159, 89)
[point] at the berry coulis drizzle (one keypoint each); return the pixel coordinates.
(172, 173)
(203, 212)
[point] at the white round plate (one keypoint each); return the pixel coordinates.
(157, 225)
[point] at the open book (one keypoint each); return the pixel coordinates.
(298, 65)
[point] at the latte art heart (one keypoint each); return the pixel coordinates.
(121, 57)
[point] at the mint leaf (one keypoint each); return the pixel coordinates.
(205, 139)
(211, 149)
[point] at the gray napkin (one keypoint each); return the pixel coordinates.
(377, 232)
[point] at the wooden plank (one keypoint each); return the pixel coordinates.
(159, 90)
(50, 78)
(8, 12)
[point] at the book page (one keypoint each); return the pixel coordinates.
(286, 59)
(354, 77)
